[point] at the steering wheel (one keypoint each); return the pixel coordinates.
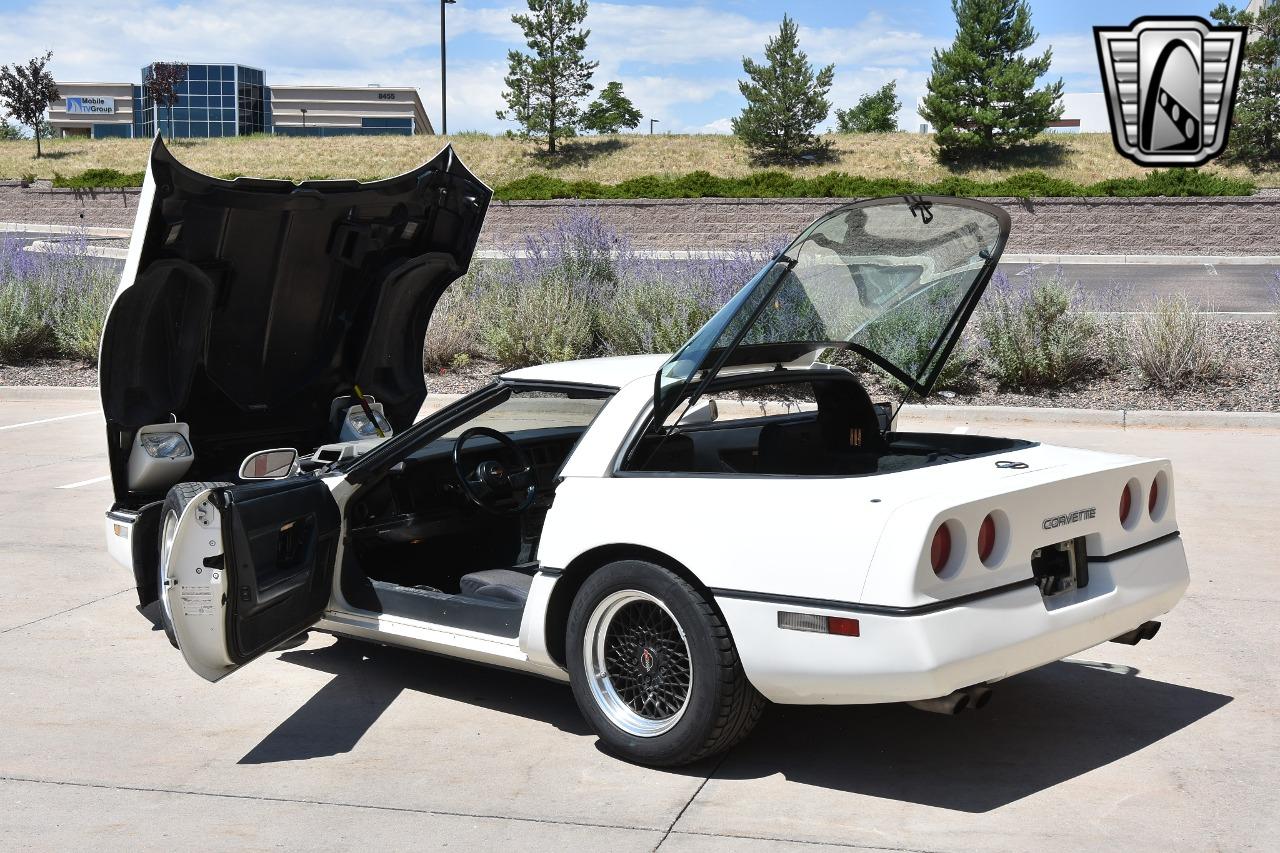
(491, 485)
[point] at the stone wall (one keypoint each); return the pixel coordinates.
(1075, 226)
(43, 205)
(1068, 226)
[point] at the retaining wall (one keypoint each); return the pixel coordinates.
(1077, 226)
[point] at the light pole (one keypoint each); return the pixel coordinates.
(652, 122)
(444, 109)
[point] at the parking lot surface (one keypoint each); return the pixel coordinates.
(108, 742)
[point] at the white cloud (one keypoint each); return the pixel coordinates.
(651, 48)
(720, 125)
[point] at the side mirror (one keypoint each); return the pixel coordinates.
(269, 464)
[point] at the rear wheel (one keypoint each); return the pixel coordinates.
(654, 669)
(174, 504)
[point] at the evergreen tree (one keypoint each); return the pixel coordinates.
(874, 113)
(27, 91)
(611, 111)
(982, 98)
(1255, 122)
(545, 88)
(786, 100)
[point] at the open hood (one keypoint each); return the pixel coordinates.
(247, 307)
(894, 279)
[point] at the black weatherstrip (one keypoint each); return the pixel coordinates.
(1128, 552)
(874, 609)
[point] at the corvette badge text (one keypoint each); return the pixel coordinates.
(1170, 85)
(1069, 518)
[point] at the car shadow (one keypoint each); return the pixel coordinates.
(368, 678)
(1040, 729)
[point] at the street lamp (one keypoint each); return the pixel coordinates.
(303, 110)
(444, 109)
(652, 122)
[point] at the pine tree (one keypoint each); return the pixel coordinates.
(611, 111)
(27, 91)
(982, 98)
(1255, 122)
(876, 112)
(786, 100)
(545, 88)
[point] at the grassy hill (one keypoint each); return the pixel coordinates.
(1081, 158)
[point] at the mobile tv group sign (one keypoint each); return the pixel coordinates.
(91, 105)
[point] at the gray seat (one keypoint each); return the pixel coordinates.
(503, 584)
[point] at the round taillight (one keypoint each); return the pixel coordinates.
(1126, 504)
(986, 538)
(1153, 497)
(940, 550)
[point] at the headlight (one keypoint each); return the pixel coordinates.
(166, 445)
(365, 428)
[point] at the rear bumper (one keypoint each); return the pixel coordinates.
(905, 657)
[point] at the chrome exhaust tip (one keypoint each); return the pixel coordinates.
(1145, 631)
(951, 704)
(979, 696)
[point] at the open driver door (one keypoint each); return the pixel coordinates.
(251, 566)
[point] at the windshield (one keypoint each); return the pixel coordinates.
(894, 279)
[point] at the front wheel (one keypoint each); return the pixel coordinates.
(654, 669)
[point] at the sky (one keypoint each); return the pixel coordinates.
(680, 62)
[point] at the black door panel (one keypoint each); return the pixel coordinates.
(281, 539)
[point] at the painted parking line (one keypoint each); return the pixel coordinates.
(85, 482)
(48, 420)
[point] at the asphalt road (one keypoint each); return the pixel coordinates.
(1228, 288)
(108, 742)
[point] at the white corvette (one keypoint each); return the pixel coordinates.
(681, 538)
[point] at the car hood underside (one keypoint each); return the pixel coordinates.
(247, 307)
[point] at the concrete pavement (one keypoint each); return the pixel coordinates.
(107, 740)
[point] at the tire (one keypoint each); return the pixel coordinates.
(174, 503)
(670, 688)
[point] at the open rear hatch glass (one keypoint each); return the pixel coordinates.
(893, 279)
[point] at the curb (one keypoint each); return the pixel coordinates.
(36, 393)
(47, 247)
(90, 231)
(1123, 418)
(1154, 260)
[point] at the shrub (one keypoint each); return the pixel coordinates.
(1037, 336)
(577, 290)
(651, 316)
(452, 333)
(1173, 345)
(535, 322)
(776, 184)
(99, 179)
(52, 303)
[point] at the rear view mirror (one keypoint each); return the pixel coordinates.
(269, 464)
